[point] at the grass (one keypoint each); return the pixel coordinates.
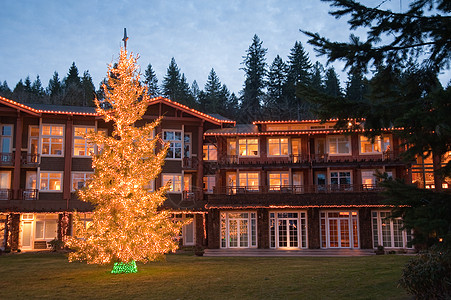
(50, 275)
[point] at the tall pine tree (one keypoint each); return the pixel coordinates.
(277, 104)
(151, 81)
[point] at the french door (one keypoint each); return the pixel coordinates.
(339, 230)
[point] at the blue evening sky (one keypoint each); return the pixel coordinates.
(40, 37)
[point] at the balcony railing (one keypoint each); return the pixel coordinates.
(298, 189)
(6, 159)
(30, 160)
(30, 194)
(5, 194)
(190, 162)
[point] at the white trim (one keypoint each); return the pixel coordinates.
(42, 136)
(338, 154)
(280, 146)
(51, 172)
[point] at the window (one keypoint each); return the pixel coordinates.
(340, 178)
(6, 138)
(210, 152)
(339, 145)
(30, 192)
(52, 140)
(81, 145)
(339, 229)
(187, 145)
(231, 147)
(379, 145)
(278, 146)
(50, 181)
(238, 230)
(248, 147)
(46, 226)
(33, 138)
(388, 232)
(175, 180)
(288, 230)
(79, 179)
(174, 138)
(5, 185)
(278, 181)
(249, 181)
(209, 184)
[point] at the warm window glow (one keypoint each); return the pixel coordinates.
(50, 181)
(249, 180)
(79, 180)
(210, 153)
(209, 184)
(231, 147)
(277, 146)
(81, 145)
(339, 145)
(52, 140)
(174, 138)
(379, 145)
(248, 147)
(175, 182)
(278, 180)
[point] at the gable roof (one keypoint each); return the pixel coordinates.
(38, 109)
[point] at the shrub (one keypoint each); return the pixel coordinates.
(56, 244)
(428, 275)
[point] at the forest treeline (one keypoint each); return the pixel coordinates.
(269, 91)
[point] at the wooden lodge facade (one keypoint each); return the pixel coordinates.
(281, 185)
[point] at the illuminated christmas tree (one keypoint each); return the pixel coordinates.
(128, 223)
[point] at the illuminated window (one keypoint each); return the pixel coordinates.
(175, 180)
(249, 180)
(380, 144)
(187, 145)
(6, 138)
(248, 147)
(231, 147)
(174, 138)
(339, 229)
(50, 181)
(79, 179)
(52, 140)
(277, 146)
(81, 145)
(339, 145)
(278, 180)
(46, 226)
(388, 232)
(209, 184)
(210, 152)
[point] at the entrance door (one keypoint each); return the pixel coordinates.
(27, 227)
(288, 232)
(238, 233)
(341, 231)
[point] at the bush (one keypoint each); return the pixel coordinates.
(428, 275)
(56, 244)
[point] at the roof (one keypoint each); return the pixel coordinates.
(38, 109)
(238, 129)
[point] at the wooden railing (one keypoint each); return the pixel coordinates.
(190, 163)
(30, 194)
(6, 159)
(30, 160)
(5, 194)
(297, 189)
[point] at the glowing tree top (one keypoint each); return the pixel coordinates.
(128, 223)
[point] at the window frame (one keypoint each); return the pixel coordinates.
(280, 148)
(247, 186)
(85, 177)
(379, 142)
(377, 231)
(281, 185)
(336, 137)
(173, 175)
(207, 152)
(172, 142)
(247, 145)
(50, 137)
(86, 144)
(48, 181)
(209, 184)
(340, 171)
(6, 137)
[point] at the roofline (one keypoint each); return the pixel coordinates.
(293, 132)
(187, 109)
(19, 106)
(303, 121)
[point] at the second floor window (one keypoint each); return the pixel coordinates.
(209, 184)
(278, 146)
(210, 152)
(174, 138)
(79, 180)
(6, 138)
(340, 178)
(339, 145)
(278, 180)
(381, 144)
(175, 180)
(50, 181)
(52, 140)
(81, 145)
(248, 147)
(249, 180)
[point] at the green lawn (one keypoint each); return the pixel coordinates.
(50, 275)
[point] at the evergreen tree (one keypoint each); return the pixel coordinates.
(317, 77)
(73, 91)
(5, 91)
(151, 81)
(55, 89)
(213, 101)
(128, 224)
(332, 84)
(38, 94)
(356, 87)
(195, 92)
(276, 104)
(254, 84)
(171, 82)
(299, 74)
(88, 89)
(19, 92)
(184, 94)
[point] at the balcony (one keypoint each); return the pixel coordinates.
(6, 159)
(190, 163)
(5, 194)
(30, 160)
(30, 194)
(297, 189)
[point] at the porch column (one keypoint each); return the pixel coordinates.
(67, 161)
(200, 158)
(17, 156)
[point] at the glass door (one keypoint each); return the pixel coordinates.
(288, 233)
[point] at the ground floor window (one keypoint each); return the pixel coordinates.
(339, 229)
(388, 232)
(287, 230)
(238, 229)
(38, 230)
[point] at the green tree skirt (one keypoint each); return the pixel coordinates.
(120, 267)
